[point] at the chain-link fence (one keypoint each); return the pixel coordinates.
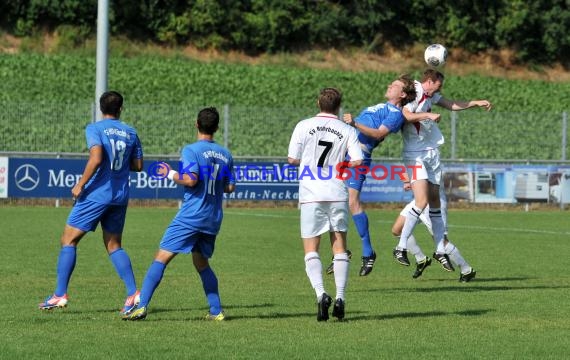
(475, 135)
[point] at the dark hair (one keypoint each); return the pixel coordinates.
(329, 100)
(409, 88)
(208, 120)
(433, 75)
(111, 103)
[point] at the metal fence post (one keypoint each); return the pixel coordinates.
(453, 134)
(564, 134)
(226, 138)
(563, 158)
(93, 112)
(226, 125)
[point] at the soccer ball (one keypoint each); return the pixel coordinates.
(435, 55)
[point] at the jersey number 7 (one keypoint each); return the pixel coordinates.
(328, 146)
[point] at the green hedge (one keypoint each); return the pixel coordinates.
(537, 30)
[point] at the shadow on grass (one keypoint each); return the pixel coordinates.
(154, 315)
(461, 288)
(479, 284)
(232, 317)
(239, 306)
(278, 315)
(428, 314)
(229, 317)
(495, 279)
(159, 309)
(471, 288)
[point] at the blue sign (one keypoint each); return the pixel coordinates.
(54, 178)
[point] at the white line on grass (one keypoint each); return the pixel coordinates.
(468, 227)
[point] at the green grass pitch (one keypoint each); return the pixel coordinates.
(517, 307)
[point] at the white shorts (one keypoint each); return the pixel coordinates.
(427, 165)
(318, 218)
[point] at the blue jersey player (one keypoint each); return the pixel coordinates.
(206, 171)
(374, 124)
(101, 196)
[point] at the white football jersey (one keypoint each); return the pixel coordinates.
(425, 134)
(321, 143)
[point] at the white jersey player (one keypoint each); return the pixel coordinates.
(319, 146)
(422, 139)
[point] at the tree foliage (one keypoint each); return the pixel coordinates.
(537, 30)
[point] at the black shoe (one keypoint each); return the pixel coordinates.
(444, 261)
(468, 277)
(330, 268)
(367, 264)
(338, 309)
(401, 257)
(323, 307)
(421, 266)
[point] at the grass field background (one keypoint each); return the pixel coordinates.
(517, 307)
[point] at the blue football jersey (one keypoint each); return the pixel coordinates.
(121, 144)
(374, 116)
(202, 206)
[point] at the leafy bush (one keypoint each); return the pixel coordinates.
(536, 30)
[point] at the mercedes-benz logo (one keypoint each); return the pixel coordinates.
(27, 177)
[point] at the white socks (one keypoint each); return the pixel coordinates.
(314, 269)
(438, 229)
(455, 256)
(412, 218)
(341, 265)
(414, 249)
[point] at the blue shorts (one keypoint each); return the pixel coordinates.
(356, 179)
(86, 214)
(180, 239)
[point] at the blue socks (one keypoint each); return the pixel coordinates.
(210, 284)
(154, 277)
(122, 264)
(65, 266)
(361, 223)
(151, 281)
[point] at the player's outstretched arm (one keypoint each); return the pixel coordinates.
(458, 105)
